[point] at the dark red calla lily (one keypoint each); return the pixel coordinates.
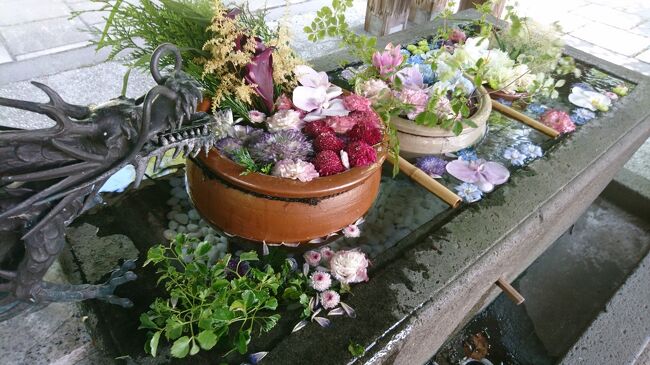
(260, 72)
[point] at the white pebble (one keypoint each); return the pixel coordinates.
(193, 214)
(221, 246)
(173, 225)
(171, 215)
(210, 238)
(181, 229)
(192, 227)
(172, 201)
(169, 234)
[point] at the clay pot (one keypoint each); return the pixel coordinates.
(418, 140)
(260, 207)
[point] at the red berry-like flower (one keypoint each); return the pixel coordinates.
(360, 154)
(366, 133)
(316, 128)
(328, 142)
(328, 163)
(371, 118)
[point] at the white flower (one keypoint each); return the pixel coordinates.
(326, 253)
(349, 266)
(295, 169)
(320, 280)
(256, 116)
(345, 159)
(284, 119)
(589, 99)
(330, 299)
(312, 258)
(352, 231)
(372, 89)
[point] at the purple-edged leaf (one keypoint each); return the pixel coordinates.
(305, 269)
(323, 322)
(232, 13)
(256, 357)
(299, 326)
(265, 249)
(260, 72)
(336, 312)
(349, 310)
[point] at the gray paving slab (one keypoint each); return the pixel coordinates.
(4, 55)
(606, 15)
(612, 38)
(608, 55)
(644, 56)
(89, 85)
(92, 17)
(23, 11)
(620, 333)
(23, 39)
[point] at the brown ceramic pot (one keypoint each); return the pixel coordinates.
(270, 209)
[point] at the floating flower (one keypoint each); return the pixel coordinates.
(330, 299)
(373, 89)
(312, 258)
(589, 99)
(469, 192)
(347, 74)
(256, 116)
(504, 102)
(457, 36)
(620, 90)
(320, 280)
(431, 165)
(485, 174)
(516, 157)
(349, 267)
(351, 231)
(282, 145)
(467, 154)
(295, 169)
(581, 116)
(326, 253)
(388, 60)
(536, 108)
(530, 150)
(583, 85)
(612, 96)
(558, 120)
(284, 119)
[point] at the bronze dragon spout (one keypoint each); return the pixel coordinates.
(48, 177)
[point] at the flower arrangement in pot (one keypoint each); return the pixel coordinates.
(297, 159)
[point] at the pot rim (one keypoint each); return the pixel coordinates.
(500, 94)
(479, 117)
(275, 186)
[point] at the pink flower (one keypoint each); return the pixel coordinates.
(483, 174)
(326, 253)
(349, 266)
(341, 124)
(295, 169)
(316, 95)
(283, 103)
(312, 258)
(457, 36)
(284, 119)
(417, 98)
(256, 116)
(330, 299)
(388, 60)
(320, 280)
(411, 78)
(354, 102)
(373, 89)
(612, 96)
(558, 120)
(351, 231)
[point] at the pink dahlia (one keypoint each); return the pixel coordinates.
(349, 267)
(356, 103)
(558, 120)
(295, 169)
(320, 280)
(330, 299)
(312, 258)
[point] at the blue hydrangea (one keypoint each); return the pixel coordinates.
(581, 116)
(465, 84)
(531, 151)
(415, 60)
(469, 192)
(504, 101)
(467, 154)
(516, 157)
(428, 76)
(405, 52)
(536, 108)
(347, 74)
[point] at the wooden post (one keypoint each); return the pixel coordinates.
(423, 11)
(511, 292)
(386, 16)
(497, 9)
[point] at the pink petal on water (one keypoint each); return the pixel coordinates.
(495, 173)
(483, 184)
(462, 171)
(349, 310)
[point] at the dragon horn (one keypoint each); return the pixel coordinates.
(71, 110)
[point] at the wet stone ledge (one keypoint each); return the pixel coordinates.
(434, 267)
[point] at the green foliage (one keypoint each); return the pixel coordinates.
(243, 157)
(214, 304)
(356, 350)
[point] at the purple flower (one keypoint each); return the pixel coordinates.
(581, 116)
(485, 174)
(236, 266)
(259, 72)
(411, 78)
(229, 146)
(467, 154)
(320, 280)
(281, 145)
(388, 60)
(516, 157)
(431, 165)
(469, 192)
